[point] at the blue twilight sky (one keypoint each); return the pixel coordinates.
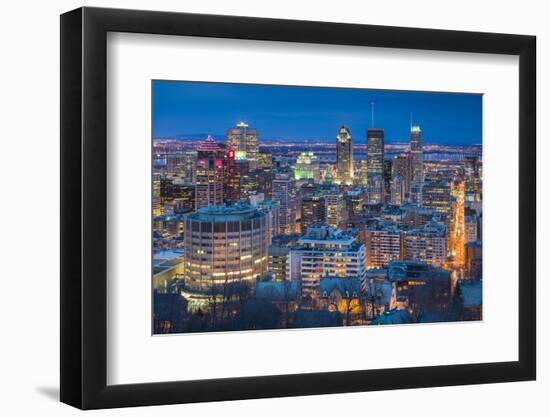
(307, 113)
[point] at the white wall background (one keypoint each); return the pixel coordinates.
(29, 218)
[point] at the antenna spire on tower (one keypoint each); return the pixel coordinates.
(411, 121)
(372, 114)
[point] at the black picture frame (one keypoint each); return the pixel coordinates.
(84, 207)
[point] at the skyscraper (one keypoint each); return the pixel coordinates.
(265, 174)
(417, 164)
(245, 142)
(284, 192)
(375, 165)
(210, 174)
(401, 168)
(344, 156)
(375, 152)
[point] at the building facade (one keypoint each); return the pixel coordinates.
(313, 210)
(307, 167)
(384, 243)
(225, 245)
(325, 251)
(344, 156)
(375, 152)
(245, 142)
(284, 193)
(210, 174)
(417, 164)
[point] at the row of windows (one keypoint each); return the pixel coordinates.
(222, 227)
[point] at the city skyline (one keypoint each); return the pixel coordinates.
(291, 236)
(289, 113)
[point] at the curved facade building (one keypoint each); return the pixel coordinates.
(225, 245)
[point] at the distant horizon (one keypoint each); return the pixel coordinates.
(191, 110)
(220, 138)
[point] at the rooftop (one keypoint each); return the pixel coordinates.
(223, 213)
(209, 145)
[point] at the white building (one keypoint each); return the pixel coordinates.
(325, 251)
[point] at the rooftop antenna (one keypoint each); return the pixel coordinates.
(372, 114)
(411, 122)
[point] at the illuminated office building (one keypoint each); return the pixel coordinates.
(245, 142)
(265, 160)
(375, 152)
(397, 191)
(233, 178)
(344, 156)
(375, 189)
(265, 173)
(334, 205)
(210, 174)
(157, 208)
(284, 193)
(437, 195)
(417, 165)
(307, 167)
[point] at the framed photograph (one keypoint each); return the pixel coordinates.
(256, 208)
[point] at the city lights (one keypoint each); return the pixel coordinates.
(255, 230)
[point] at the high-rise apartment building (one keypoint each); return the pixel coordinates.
(325, 251)
(427, 245)
(384, 243)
